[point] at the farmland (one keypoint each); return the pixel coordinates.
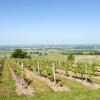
(48, 75)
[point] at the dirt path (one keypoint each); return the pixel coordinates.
(20, 89)
(54, 86)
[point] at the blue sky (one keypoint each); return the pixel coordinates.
(25, 22)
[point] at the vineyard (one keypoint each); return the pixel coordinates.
(32, 77)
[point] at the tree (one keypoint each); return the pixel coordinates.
(70, 57)
(18, 53)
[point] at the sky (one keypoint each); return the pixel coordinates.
(33, 22)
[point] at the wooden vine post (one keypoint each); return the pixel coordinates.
(22, 81)
(90, 69)
(54, 73)
(22, 65)
(59, 64)
(76, 62)
(5, 53)
(76, 67)
(86, 71)
(38, 68)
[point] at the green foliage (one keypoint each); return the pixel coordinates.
(70, 57)
(46, 72)
(21, 73)
(28, 81)
(18, 53)
(58, 79)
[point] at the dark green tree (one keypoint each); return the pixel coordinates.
(70, 57)
(19, 53)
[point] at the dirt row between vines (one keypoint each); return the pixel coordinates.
(87, 84)
(54, 86)
(20, 89)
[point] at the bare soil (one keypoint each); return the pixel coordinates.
(20, 89)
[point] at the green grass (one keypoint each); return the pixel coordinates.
(95, 80)
(73, 85)
(79, 95)
(6, 82)
(40, 86)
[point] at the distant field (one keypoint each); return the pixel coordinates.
(56, 54)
